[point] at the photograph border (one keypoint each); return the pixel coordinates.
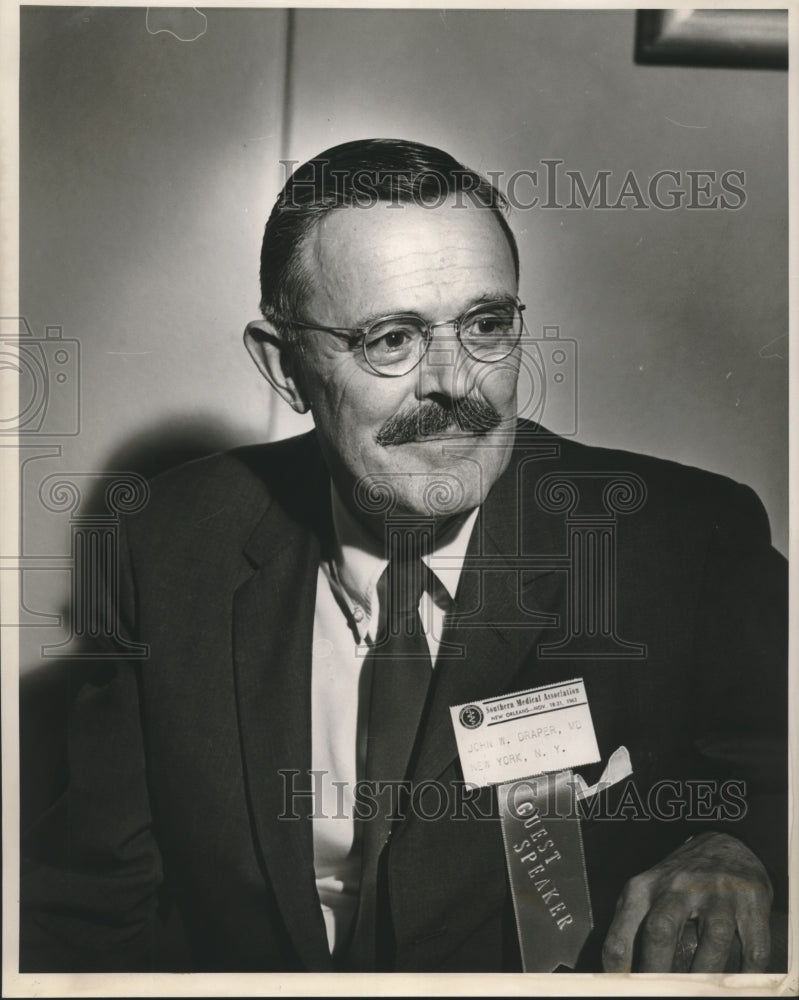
(656, 42)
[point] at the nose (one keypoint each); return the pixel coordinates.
(446, 368)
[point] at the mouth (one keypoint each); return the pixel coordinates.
(450, 435)
(440, 446)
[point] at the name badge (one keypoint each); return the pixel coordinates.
(524, 734)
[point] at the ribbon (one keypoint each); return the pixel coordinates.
(546, 867)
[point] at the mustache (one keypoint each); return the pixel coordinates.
(472, 414)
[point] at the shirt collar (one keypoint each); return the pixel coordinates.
(358, 561)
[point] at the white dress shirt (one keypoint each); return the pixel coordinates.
(345, 626)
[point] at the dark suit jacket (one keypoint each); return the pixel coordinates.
(174, 791)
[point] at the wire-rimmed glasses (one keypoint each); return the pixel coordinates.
(394, 345)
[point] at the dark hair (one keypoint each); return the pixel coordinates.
(358, 174)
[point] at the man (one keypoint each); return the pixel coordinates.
(314, 608)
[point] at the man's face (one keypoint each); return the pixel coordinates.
(434, 262)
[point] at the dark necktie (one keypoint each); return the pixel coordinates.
(401, 671)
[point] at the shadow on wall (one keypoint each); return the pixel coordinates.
(160, 448)
(47, 692)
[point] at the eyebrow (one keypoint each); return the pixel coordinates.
(493, 296)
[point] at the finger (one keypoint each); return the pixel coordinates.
(661, 931)
(632, 907)
(755, 933)
(686, 948)
(716, 933)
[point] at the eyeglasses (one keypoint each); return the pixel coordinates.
(394, 345)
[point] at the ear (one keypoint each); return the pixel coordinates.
(271, 355)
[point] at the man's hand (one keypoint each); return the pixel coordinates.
(713, 879)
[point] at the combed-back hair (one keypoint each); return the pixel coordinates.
(359, 174)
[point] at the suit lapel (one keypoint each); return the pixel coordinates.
(273, 618)
(494, 635)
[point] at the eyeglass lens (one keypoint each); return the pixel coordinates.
(488, 332)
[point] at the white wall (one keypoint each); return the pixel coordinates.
(148, 168)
